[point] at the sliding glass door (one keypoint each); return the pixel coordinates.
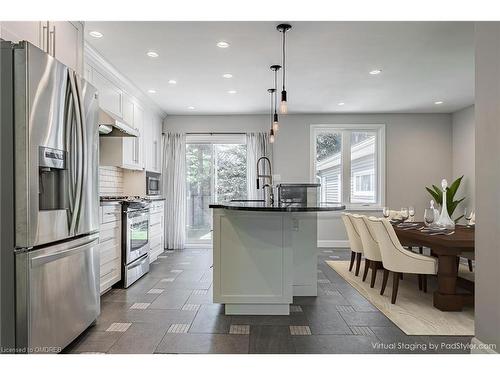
(216, 171)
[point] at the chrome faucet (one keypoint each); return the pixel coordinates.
(270, 196)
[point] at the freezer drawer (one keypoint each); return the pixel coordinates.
(58, 290)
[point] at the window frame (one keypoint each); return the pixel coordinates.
(346, 130)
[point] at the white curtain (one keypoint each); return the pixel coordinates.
(174, 183)
(257, 146)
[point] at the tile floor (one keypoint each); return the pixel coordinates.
(170, 310)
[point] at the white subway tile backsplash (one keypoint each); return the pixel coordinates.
(110, 181)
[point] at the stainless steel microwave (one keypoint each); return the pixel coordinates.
(153, 183)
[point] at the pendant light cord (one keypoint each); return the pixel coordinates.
(284, 57)
(275, 90)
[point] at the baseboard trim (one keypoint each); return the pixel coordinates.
(479, 347)
(333, 243)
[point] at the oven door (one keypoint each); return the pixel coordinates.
(137, 235)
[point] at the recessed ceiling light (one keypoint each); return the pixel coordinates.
(227, 75)
(172, 81)
(152, 91)
(191, 107)
(341, 103)
(438, 102)
(222, 44)
(95, 34)
(375, 72)
(232, 92)
(152, 54)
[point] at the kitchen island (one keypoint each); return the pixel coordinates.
(264, 255)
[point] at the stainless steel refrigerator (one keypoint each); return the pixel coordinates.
(49, 256)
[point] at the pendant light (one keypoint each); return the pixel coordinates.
(275, 125)
(271, 133)
(283, 28)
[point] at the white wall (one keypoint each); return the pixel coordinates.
(487, 115)
(463, 129)
(418, 152)
(419, 147)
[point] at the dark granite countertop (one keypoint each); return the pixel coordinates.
(283, 207)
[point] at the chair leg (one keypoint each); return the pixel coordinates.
(419, 282)
(358, 263)
(401, 276)
(458, 263)
(395, 285)
(374, 274)
(365, 272)
(421, 249)
(384, 281)
(469, 261)
(353, 256)
(424, 282)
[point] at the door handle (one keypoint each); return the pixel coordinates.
(44, 259)
(79, 154)
(45, 37)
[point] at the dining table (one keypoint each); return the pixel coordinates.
(447, 248)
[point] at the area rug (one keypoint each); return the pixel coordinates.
(413, 312)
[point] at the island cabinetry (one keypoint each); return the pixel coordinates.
(252, 262)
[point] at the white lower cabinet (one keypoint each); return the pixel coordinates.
(156, 229)
(110, 246)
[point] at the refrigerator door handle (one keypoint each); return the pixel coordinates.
(43, 259)
(79, 154)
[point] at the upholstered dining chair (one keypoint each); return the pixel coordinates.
(371, 250)
(397, 259)
(354, 242)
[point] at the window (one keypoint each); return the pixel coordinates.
(216, 170)
(348, 161)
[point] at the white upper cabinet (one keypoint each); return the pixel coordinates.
(30, 31)
(152, 143)
(61, 39)
(110, 96)
(128, 110)
(66, 43)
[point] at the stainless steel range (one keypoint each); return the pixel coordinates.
(135, 240)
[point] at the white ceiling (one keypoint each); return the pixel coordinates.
(327, 63)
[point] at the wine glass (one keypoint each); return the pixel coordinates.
(385, 212)
(428, 217)
(404, 213)
(411, 212)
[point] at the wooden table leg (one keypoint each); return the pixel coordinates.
(446, 297)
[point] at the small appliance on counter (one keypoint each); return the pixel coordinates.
(298, 193)
(152, 184)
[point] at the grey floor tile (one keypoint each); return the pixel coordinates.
(171, 299)
(203, 343)
(140, 338)
(209, 320)
(334, 344)
(324, 321)
(370, 318)
(271, 340)
(162, 317)
(95, 341)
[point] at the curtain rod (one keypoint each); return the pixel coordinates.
(212, 133)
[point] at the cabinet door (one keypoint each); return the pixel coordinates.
(157, 145)
(66, 43)
(128, 110)
(139, 141)
(31, 31)
(147, 141)
(110, 96)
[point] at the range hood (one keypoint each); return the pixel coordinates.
(111, 126)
